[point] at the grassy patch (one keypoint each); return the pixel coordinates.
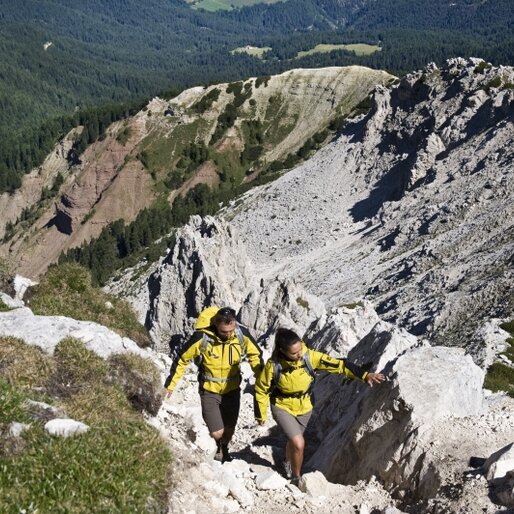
(500, 376)
(12, 401)
(254, 51)
(352, 305)
(358, 48)
(3, 307)
(120, 465)
(139, 380)
(26, 366)
(227, 5)
(66, 290)
(115, 467)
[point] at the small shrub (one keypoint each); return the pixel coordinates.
(124, 135)
(303, 303)
(139, 379)
(493, 83)
(262, 80)
(481, 67)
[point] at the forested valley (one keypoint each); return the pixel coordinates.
(66, 62)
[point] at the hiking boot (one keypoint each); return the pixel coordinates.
(295, 481)
(225, 456)
(219, 453)
(288, 469)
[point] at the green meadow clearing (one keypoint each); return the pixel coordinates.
(227, 5)
(254, 51)
(358, 48)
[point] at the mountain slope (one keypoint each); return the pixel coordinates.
(411, 207)
(223, 136)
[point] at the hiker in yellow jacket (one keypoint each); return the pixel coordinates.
(287, 380)
(218, 346)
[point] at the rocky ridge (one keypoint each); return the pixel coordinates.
(408, 440)
(410, 207)
(123, 173)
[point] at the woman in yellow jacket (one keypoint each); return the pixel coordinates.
(287, 380)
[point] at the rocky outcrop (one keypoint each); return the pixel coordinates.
(279, 303)
(46, 332)
(410, 207)
(206, 266)
(389, 431)
(96, 176)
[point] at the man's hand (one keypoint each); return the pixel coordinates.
(260, 422)
(167, 394)
(374, 378)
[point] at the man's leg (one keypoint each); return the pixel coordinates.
(230, 403)
(211, 413)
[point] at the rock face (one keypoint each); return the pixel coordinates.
(206, 266)
(388, 431)
(410, 207)
(12, 205)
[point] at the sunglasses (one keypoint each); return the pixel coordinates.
(227, 311)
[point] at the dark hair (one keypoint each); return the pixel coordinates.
(224, 316)
(284, 339)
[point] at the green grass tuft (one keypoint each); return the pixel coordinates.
(12, 408)
(24, 365)
(66, 290)
(500, 377)
(3, 307)
(115, 467)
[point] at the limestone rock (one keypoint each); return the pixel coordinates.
(409, 207)
(16, 429)
(47, 331)
(387, 431)
(500, 463)
(280, 303)
(206, 266)
(65, 427)
(340, 330)
(269, 480)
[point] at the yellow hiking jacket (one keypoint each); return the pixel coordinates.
(296, 380)
(219, 371)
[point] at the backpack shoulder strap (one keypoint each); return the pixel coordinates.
(241, 338)
(206, 339)
(308, 364)
(277, 370)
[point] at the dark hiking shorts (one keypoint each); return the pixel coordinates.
(291, 425)
(220, 410)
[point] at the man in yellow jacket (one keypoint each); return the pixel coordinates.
(287, 380)
(218, 346)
